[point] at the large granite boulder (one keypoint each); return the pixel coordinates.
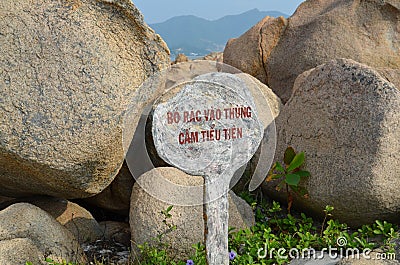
(68, 72)
(116, 197)
(346, 118)
(146, 220)
(250, 51)
(319, 30)
(28, 233)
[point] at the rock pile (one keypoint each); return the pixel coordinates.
(70, 70)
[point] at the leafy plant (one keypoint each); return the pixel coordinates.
(277, 230)
(157, 253)
(153, 255)
(301, 232)
(328, 213)
(290, 174)
(170, 226)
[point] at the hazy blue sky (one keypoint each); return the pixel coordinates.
(160, 10)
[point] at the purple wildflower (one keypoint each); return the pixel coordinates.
(232, 255)
(189, 262)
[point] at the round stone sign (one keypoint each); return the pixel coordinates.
(209, 127)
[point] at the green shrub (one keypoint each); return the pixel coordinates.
(299, 232)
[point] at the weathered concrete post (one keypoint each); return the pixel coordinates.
(209, 127)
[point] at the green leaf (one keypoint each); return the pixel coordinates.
(279, 167)
(303, 173)
(292, 179)
(169, 208)
(289, 155)
(380, 225)
(377, 232)
(297, 161)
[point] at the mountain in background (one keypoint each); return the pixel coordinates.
(196, 36)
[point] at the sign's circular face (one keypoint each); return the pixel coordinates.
(207, 126)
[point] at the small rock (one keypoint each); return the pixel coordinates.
(146, 220)
(75, 218)
(214, 56)
(180, 58)
(268, 107)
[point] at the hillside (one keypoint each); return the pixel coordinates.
(192, 35)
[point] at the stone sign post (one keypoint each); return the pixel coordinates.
(209, 127)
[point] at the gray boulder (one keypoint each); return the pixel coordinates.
(75, 218)
(214, 56)
(345, 117)
(28, 228)
(68, 72)
(146, 220)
